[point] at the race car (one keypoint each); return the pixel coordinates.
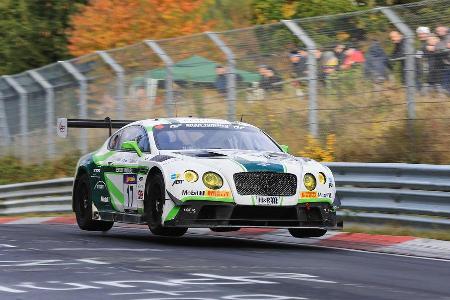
(178, 173)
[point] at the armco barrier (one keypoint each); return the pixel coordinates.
(374, 193)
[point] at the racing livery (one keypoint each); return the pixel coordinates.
(177, 173)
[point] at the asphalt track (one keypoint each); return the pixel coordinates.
(62, 262)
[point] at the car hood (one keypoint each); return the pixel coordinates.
(246, 160)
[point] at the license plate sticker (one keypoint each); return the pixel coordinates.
(268, 200)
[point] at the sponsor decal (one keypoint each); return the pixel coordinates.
(330, 183)
(175, 125)
(309, 195)
(192, 193)
(129, 178)
(218, 194)
(209, 125)
(104, 199)
(140, 194)
(189, 210)
(100, 186)
(141, 178)
(124, 170)
(324, 195)
(178, 181)
(268, 200)
(175, 176)
(96, 170)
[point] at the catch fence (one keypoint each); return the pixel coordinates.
(385, 97)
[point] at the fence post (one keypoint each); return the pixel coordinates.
(50, 110)
(312, 73)
(167, 60)
(410, 60)
(231, 74)
(23, 119)
(82, 81)
(120, 82)
(5, 136)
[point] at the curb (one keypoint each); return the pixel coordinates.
(402, 245)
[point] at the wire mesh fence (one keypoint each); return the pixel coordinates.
(372, 85)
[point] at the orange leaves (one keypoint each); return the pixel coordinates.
(105, 24)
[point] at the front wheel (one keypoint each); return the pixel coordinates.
(83, 208)
(153, 208)
(307, 232)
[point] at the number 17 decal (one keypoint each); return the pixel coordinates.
(129, 189)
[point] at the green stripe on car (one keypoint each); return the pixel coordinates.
(314, 200)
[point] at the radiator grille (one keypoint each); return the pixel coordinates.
(265, 183)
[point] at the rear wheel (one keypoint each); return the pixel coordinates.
(154, 205)
(307, 232)
(83, 207)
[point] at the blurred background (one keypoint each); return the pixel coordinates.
(345, 80)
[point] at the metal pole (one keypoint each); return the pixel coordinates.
(82, 81)
(169, 74)
(312, 73)
(5, 136)
(120, 82)
(50, 110)
(410, 61)
(23, 119)
(231, 74)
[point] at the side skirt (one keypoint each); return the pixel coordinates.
(122, 217)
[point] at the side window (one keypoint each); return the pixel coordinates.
(138, 134)
(114, 142)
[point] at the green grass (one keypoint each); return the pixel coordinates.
(437, 234)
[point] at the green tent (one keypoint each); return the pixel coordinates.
(194, 69)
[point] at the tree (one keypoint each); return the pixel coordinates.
(33, 32)
(105, 24)
(268, 11)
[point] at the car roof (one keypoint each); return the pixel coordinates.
(159, 121)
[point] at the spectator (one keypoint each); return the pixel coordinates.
(399, 51)
(339, 52)
(299, 64)
(352, 58)
(221, 80)
(443, 47)
(329, 63)
(269, 80)
(377, 63)
(421, 62)
(434, 58)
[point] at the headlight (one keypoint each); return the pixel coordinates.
(190, 176)
(212, 180)
(322, 178)
(310, 181)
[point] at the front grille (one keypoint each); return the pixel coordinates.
(265, 183)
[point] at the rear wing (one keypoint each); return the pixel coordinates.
(63, 124)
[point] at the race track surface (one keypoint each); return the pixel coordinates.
(62, 262)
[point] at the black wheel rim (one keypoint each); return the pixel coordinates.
(83, 201)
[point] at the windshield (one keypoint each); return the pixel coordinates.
(212, 136)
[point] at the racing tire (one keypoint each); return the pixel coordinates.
(307, 232)
(224, 229)
(83, 208)
(153, 208)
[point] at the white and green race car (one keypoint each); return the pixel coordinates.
(177, 173)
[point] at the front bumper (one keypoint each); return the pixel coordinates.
(211, 214)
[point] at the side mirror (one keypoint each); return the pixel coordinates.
(285, 148)
(131, 146)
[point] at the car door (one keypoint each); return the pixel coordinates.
(124, 175)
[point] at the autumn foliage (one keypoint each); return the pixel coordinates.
(106, 24)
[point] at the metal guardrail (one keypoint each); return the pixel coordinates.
(374, 193)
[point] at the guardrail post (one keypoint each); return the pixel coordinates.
(23, 119)
(168, 62)
(312, 73)
(82, 81)
(5, 139)
(410, 60)
(231, 74)
(50, 110)
(120, 82)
